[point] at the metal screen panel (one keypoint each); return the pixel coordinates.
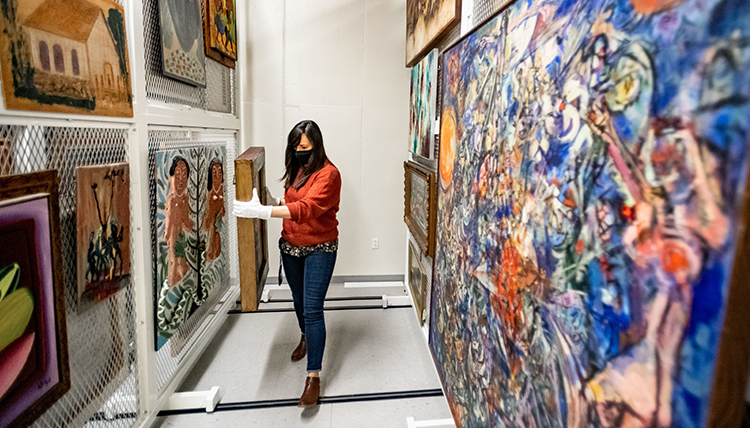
(483, 9)
(219, 93)
(169, 357)
(101, 340)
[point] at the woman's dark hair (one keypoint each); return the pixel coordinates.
(210, 172)
(175, 161)
(317, 161)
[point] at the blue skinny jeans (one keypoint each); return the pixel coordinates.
(309, 278)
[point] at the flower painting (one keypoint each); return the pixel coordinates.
(34, 369)
(592, 170)
(103, 231)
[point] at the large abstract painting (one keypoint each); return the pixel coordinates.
(593, 158)
(33, 344)
(427, 22)
(103, 231)
(182, 41)
(191, 237)
(65, 56)
(422, 106)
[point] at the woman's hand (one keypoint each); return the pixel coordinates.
(252, 209)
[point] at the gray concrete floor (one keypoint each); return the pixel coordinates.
(367, 351)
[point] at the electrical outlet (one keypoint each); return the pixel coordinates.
(375, 243)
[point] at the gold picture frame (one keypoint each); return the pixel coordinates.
(420, 205)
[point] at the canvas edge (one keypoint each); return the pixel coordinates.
(727, 401)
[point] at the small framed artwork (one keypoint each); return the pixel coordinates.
(250, 172)
(220, 31)
(103, 231)
(427, 23)
(182, 41)
(34, 371)
(417, 283)
(420, 206)
(422, 105)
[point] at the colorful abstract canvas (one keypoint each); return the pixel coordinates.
(103, 231)
(182, 41)
(65, 56)
(593, 159)
(427, 22)
(33, 344)
(191, 237)
(422, 106)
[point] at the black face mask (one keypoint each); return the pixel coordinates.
(303, 156)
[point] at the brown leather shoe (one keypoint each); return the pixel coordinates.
(311, 393)
(301, 350)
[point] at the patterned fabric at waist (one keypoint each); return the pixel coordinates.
(293, 250)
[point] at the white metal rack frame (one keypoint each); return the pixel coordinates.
(117, 378)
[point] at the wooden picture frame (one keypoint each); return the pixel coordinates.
(29, 210)
(417, 283)
(435, 23)
(210, 51)
(420, 207)
(250, 173)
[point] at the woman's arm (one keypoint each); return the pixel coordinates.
(280, 212)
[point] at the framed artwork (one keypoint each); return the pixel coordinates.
(182, 41)
(190, 229)
(420, 205)
(250, 173)
(592, 216)
(422, 106)
(64, 56)
(103, 231)
(417, 283)
(220, 31)
(427, 23)
(34, 370)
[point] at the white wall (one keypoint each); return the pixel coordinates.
(340, 63)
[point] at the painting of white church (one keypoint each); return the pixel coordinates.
(72, 56)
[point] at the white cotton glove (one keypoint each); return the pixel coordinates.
(252, 209)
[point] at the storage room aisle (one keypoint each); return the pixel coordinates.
(377, 370)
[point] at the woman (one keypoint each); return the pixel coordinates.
(309, 240)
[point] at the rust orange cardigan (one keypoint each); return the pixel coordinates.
(313, 208)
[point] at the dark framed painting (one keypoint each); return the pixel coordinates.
(191, 241)
(182, 41)
(76, 65)
(427, 23)
(422, 106)
(34, 371)
(417, 283)
(592, 216)
(420, 208)
(220, 31)
(103, 231)
(250, 173)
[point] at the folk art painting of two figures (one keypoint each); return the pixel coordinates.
(593, 159)
(191, 233)
(103, 231)
(65, 56)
